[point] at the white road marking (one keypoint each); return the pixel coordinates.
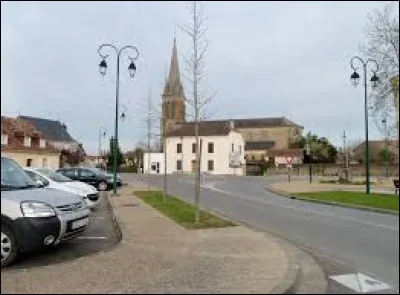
(361, 283)
(92, 238)
(323, 214)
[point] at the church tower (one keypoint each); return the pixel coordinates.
(173, 97)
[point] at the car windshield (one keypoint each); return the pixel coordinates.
(13, 176)
(99, 171)
(57, 177)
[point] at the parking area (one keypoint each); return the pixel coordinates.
(101, 235)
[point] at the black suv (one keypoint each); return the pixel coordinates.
(93, 176)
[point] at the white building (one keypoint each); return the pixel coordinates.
(156, 163)
(222, 149)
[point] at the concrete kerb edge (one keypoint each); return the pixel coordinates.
(364, 208)
(115, 219)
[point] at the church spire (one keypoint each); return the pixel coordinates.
(173, 86)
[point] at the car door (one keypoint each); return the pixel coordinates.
(87, 176)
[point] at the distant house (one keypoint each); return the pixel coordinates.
(94, 160)
(21, 141)
(153, 163)
(55, 133)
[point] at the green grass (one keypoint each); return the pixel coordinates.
(379, 201)
(181, 212)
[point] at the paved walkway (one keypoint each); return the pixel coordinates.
(158, 256)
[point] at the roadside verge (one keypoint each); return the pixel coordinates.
(293, 195)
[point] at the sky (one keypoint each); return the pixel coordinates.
(264, 59)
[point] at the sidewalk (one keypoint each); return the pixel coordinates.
(158, 256)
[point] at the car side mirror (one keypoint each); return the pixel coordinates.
(39, 183)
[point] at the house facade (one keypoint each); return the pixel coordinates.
(22, 142)
(221, 150)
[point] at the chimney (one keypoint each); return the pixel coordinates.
(231, 125)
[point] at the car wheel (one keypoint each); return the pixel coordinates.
(9, 248)
(102, 186)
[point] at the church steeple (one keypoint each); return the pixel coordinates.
(173, 97)
(173, 86)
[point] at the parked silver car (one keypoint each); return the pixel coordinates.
(33, 217)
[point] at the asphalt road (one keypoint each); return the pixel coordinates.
(100, 235)
(343, 240)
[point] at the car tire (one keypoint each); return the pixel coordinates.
(102, 186)
(9, 247)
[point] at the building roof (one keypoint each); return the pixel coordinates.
(173, 86)
(222, 127)
(255, 122)
(52, 130)
(205, 129)
(10, 126)
(16, 129)
(258, 145)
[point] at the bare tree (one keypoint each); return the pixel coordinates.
(195, 67)
(382, 31)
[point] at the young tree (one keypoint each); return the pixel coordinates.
(382, 32)
(195, 66)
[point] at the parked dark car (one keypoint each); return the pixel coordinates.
(102, 181)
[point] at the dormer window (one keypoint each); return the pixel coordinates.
(4, 139)
(27, 141)
(42, 143)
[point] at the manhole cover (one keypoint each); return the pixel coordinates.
(130, 205)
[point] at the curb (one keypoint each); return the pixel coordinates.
(115, 219)
(358, 207)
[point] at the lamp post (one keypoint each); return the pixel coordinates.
(384, 122)
(102, 133)
(132, 71)
(355, 79)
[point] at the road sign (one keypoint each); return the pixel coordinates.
(289, 159)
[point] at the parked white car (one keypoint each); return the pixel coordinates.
(53, 180)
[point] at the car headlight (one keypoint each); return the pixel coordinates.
(37, 209)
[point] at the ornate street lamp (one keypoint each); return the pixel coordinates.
(132, 72)
(355, 79)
